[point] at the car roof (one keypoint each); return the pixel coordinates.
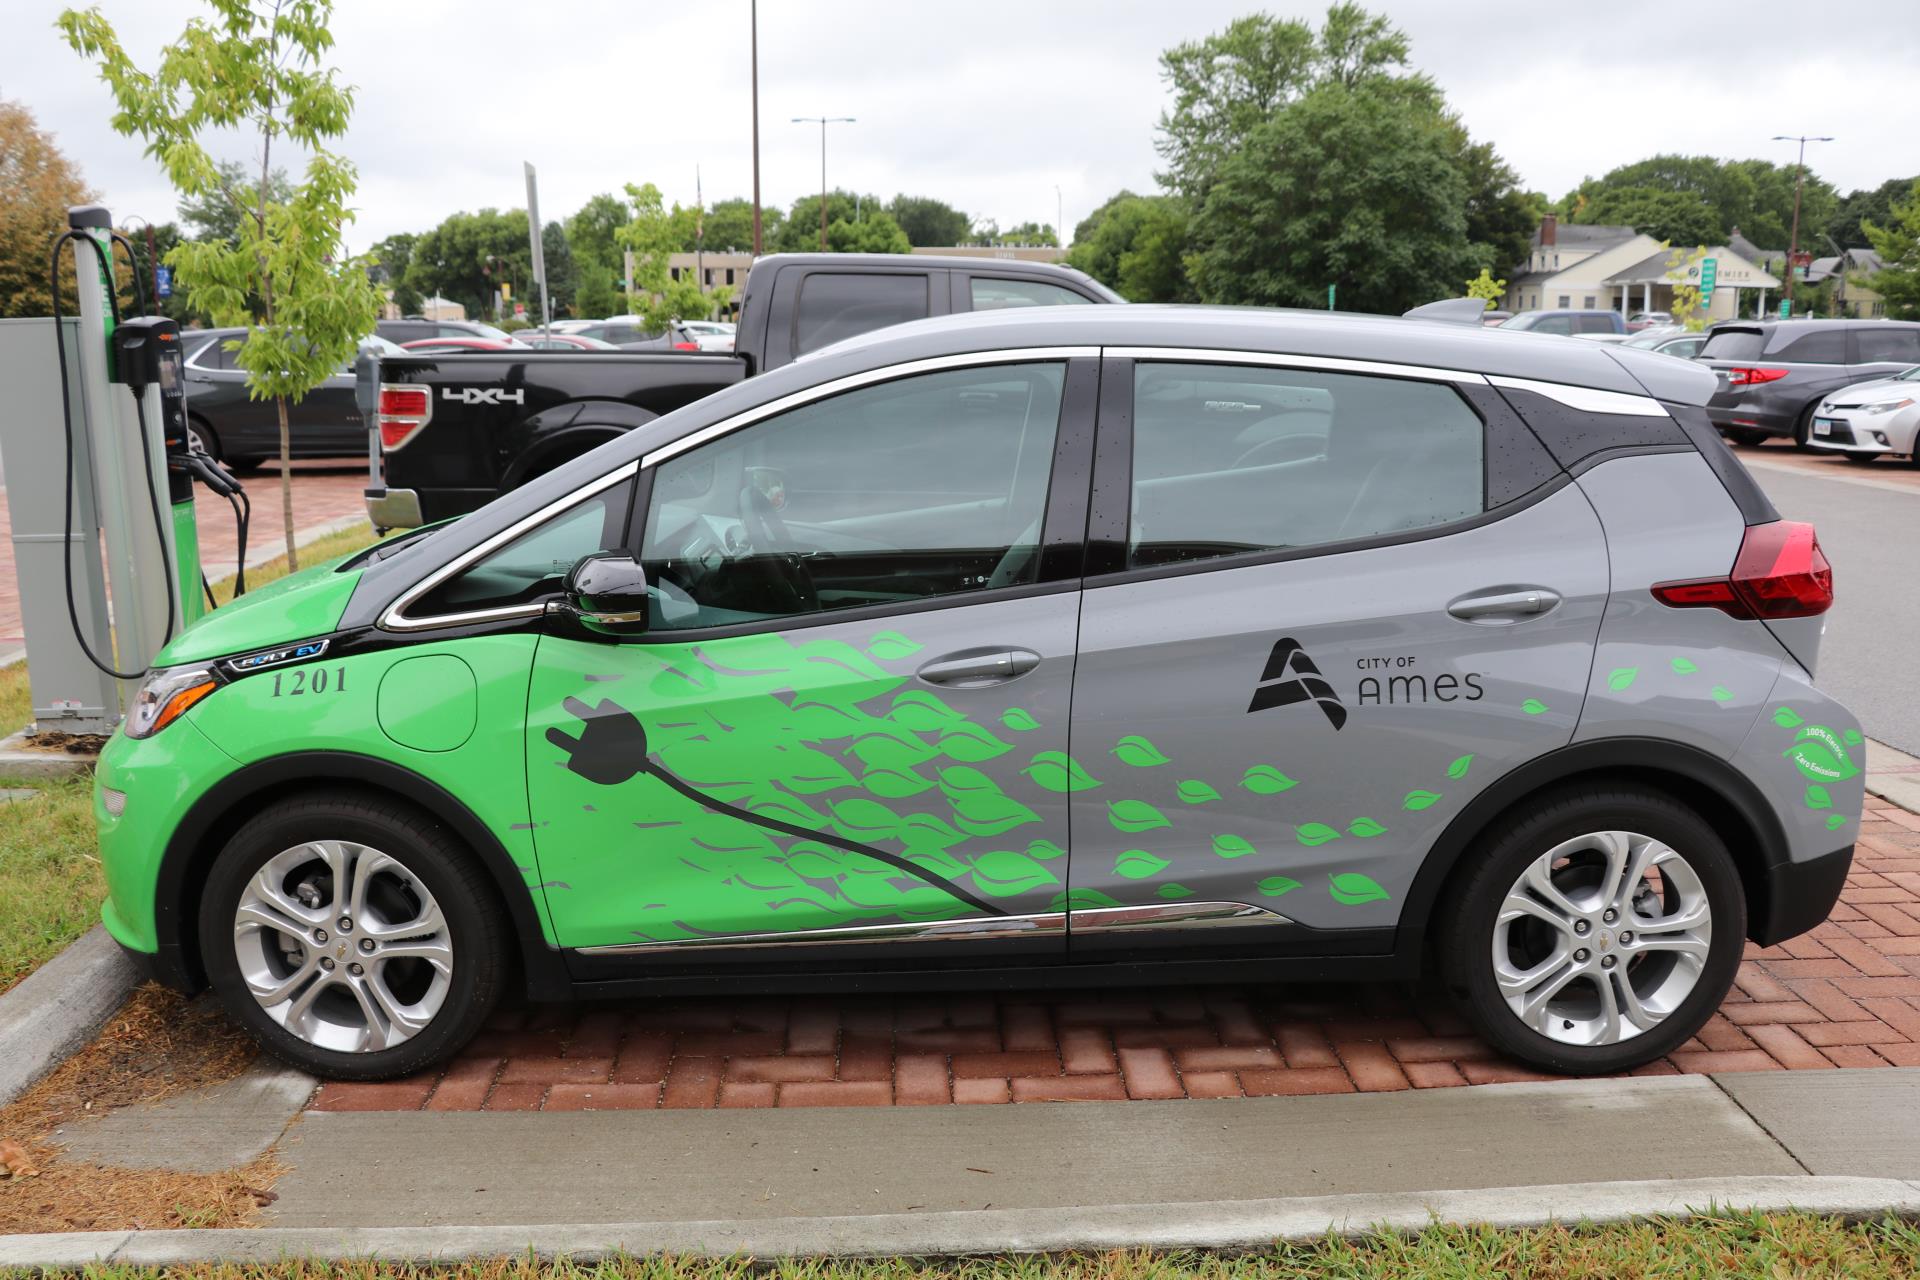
(1336, 335)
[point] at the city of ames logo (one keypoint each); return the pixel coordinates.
(1291, 677)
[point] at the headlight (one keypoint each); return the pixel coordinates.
(165, 697)
(1888, 406)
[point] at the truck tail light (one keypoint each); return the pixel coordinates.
(404, 410)
(686, 346)
(1780, 573)
(1748, 377)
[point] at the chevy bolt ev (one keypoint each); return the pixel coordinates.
(1078, 645)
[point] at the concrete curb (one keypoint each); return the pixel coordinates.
(59, 1006)
(1231, 1225)
(18, 760)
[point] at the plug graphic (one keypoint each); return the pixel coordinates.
(611, 746)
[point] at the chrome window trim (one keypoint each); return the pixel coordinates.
(1331, 364)
(200, 349)
(1585, 399)
(854, 381)
(395, 616)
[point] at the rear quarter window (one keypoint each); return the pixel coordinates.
(834, 305)
(1812, 346)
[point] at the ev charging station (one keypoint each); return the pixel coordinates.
(97, 458)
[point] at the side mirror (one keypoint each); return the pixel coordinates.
(606, 595)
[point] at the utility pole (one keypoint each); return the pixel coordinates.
(823, 122)
(1799, 180)
(753, 12)
(1059, 218)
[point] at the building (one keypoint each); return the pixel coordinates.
(1611, 268)
(1851, 271)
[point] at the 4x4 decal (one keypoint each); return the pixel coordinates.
(1291, 677)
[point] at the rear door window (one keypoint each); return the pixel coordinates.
(1809, 346)
(835, 306)
(1733, 344)
(1889, 345)
(994, 295)
(1594, 323)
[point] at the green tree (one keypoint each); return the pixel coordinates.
(1500, 216)
(1487, 289)
(1683, 273)
(1134, 245)
(38, 185)
(876, 232)
(1898, 244)
(390, 259)
(1031, 233)
(1701, 198)
(212, 216)
(800, 233)
(1664, 215)
(591, 232)
(469, 255)
(562, 276)
(1351, 186)
(1863, 206)
(655, 233)
(287, 277)
(730, 226)
(928, 221)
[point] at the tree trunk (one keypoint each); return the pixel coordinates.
(286, 481)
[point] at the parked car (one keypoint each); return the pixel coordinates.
(467, 428)
(1568, 322)
(1671, 340)
(711, 335)
(1648, 320)
(454, 346)
(561, 341)
(1869, 419)
(1033, 647)
(243, 432)
(414, 328)
(1778, 371)
(633, 335)
(1496, 317)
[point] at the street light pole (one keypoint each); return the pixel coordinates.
(753, 12)
(823, 122)
(1799, 179)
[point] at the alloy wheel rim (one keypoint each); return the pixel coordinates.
(1602, 938)
(343, 946)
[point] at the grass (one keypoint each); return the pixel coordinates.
(1774, 1246)
(50, 880)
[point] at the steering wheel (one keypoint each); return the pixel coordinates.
(768, 541)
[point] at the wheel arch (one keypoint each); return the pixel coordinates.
(226, 806)
(1713, 788)
(555, 436)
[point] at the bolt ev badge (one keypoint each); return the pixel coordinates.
(483, 395)
(1291, 677)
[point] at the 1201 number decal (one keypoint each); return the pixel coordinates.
(304, 680)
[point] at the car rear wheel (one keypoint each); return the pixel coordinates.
(1751, 439)
(353, 936)
(1601, 931)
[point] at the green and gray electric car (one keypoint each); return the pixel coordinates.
(1074, 645)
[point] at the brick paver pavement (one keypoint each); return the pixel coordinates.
(323, 492)
(1847, 994)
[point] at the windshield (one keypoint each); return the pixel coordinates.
(1911, 375)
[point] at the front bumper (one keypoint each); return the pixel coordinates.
(1857, 432)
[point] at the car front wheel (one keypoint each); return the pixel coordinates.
(1600, 931)
(353, 936)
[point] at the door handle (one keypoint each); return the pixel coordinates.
(972, 668)
(1504, 606)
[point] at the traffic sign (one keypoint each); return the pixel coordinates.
(1709, 270)
(1786, 309)
(163, 282)
(1330, 289)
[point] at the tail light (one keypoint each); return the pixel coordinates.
(1780, 573)
(404, 409)
(1750, 377)
(686, 346)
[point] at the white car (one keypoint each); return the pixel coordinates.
(1868, 419)
(712, 335)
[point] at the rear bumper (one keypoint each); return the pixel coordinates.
(1800, 895)
(1750, 417)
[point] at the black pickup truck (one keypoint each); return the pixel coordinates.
(455, 431)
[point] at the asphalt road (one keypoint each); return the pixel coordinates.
(1869, 658)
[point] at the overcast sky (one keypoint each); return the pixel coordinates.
(989, 108)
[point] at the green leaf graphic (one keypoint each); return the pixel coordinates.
(1138, 864)
(968, 742)
(984, 813)
(1058, 771)
(1364, 828)
(1194, 791)
(1786, 718)
(1081, 900)
(1533, 706)
(1265, 780)
(1138, 752)
(1458, 769)
(1684, 667)
(1274, 886)
(1853, 737)
(1174, 891)
(1818, 753)
(960, 778)
(1135, 815)
(1045, 850)
(1720, 693)
(894, 784)
(1622, 678)
(1350, 888)
(891, 645)
(1418, 800)
(1230, 846)
(1019, 719)
(922, 712)
(1818, 797)
(1314, 833)
(1836, 821)
(1004, 873)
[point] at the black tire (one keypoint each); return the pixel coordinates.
(1862, 459)
(1803, 431)
(1471, 907)
(1751, 439)
(243, 465)
(445, 868)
